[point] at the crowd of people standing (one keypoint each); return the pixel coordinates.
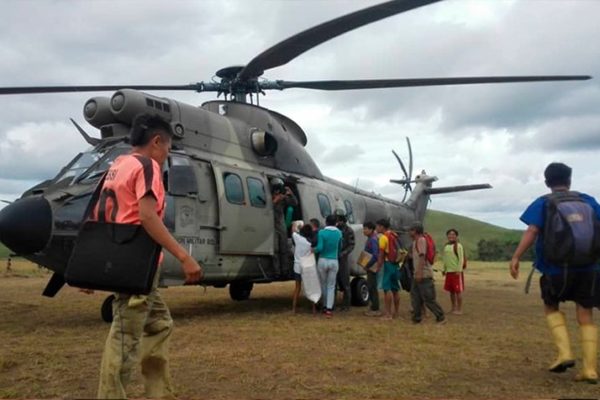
(383, 255)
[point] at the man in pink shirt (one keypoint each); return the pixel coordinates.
(133, 193)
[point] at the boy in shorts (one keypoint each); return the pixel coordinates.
(391, 287)
(563, 283)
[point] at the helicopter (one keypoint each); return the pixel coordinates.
(225, 154)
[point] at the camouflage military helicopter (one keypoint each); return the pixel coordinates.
(224, 155)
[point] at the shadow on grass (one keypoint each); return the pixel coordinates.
(265, 305)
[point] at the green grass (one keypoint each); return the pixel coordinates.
(256, 349)
(471, 231)
(4, 252)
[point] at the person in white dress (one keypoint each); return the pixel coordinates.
(301, 235)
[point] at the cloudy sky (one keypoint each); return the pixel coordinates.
(501, 134)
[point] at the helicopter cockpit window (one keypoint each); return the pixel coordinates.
(324, 205)
(234, 191)
(349, 211)
(79, 165)
(103, 164)
(256, 192)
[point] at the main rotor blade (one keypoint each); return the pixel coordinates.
(199, 87)
(387, 83)
(285, 51)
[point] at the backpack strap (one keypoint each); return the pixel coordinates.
(529, 277)
(94, 199)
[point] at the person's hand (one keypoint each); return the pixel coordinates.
(192, 270)
(514, 268)
(277, 198)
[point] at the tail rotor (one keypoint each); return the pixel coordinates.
(406, 182)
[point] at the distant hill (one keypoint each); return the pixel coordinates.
(3, 251)
(471, 231)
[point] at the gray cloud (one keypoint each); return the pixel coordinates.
(568, 133)
(502, 134)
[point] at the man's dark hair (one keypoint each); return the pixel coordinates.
(146, 126)
(315, 222)
(557, 174)
(417, 227)
(369, 225)
(451, 230)
(342, 218)
(330, 220)
(306, 231)
(383, 222)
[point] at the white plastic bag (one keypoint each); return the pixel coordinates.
(310, 278)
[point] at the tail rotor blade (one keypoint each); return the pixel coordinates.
(401, 165)
(410, 159)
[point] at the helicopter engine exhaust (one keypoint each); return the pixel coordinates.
(126, 104)
(97, 112)
(263, 143)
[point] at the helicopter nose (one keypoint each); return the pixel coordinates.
(26, 225)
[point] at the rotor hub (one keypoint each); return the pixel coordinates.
(230, 73)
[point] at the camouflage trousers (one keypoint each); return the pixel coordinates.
(140, 332)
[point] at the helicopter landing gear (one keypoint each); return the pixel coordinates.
(240, 291)
(106, 309)
(360, 292)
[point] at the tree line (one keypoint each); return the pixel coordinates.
(500, 250)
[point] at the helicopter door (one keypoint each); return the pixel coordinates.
(245, 211)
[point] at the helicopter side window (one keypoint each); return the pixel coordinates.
(234, 190)
(349, 211)
(256, 192)
(324, 205)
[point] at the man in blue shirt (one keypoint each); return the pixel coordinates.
(563, 283)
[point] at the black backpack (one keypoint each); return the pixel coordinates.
(571, 235)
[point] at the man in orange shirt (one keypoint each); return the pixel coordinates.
(133, 193)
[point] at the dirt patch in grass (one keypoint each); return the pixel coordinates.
(223, 349)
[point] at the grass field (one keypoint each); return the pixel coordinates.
(257, 349)
(3, 251)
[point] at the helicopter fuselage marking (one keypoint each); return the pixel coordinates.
(197, 240)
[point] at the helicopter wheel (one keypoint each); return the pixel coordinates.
(106, 309)
(360, 292)
(240, 291)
